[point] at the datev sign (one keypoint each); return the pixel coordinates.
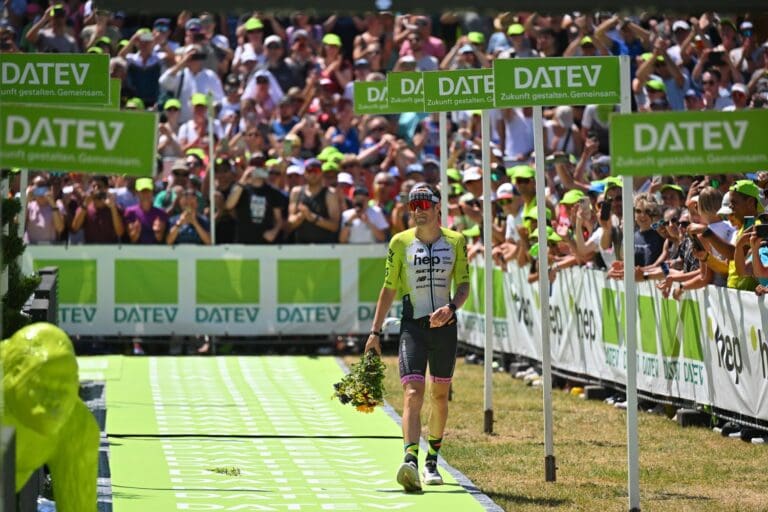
(370, 97)
(689, 142)
(77, 139)
(466, 89)
(557, 81)
(78, 78)
(406, 91)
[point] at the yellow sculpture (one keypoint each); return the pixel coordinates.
(53, 426)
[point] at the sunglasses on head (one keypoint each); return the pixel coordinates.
(419, 204)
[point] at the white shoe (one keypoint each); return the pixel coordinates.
(431, 475)
(408, 477)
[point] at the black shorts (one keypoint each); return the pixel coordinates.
(420, 344)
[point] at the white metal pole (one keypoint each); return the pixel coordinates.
(444, 191)
(211, 171)
(23, 198)
(630, 308)
(546, 351)
(485, 133)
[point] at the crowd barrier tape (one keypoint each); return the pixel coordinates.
(710, 348)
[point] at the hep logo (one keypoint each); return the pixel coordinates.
(586, 326)
(425, 260)
(555, 320)
(729, 353)
(759, 342)
(523, 308)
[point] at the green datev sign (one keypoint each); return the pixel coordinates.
(406, 91)
(77, 139)
(689, 142)
(465, 89)
(557, 81)
(371, 97)
(55, 78)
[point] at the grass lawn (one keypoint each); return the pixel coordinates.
(691, 469)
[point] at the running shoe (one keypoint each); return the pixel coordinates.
(431, 475)
(408, 477)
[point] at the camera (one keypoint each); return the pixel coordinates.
(100, 195)
(605, 209)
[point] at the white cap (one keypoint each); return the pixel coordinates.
(738, 87)
(726, 205)
(273, 39)
(346, 178)
(295, 169)
(472, 174)
(746, 25)
(505, 190)
(248, 55)
(681, 24)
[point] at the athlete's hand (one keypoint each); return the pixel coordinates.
(373, 343)
(440, 316)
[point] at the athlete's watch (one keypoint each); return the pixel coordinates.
(374, 333)
(451, 306)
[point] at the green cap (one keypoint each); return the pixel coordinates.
(330, 165)
(136, 103)
(613, 181)
(676, 188)
(748, 188)
(199, 99)
(534, 250)
(586, 40)
(328, 152)
(95, 49)
(144, 184)
(271, 162)
(533, 213)
(656, 85)
(198, 152)
(515, 29)
(476, 37)
(572, 197)
(332, 40)
(123, 43)
(453, 174)
(456, 189)
(172, 103)
(521, 171)
(552, 236)
(105, 40)
(472, 232)
(254, 24)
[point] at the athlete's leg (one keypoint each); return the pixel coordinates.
(438, 414)
(413, 400)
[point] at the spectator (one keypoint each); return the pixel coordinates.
(145, 65)
(188, 77)
(49, 34)
(146, 223)
(257, 206)
(195, 132)
(363, 223)
(285, 119)
(250, 36)
(314, 208)
(99, 217)
(189, 226)
(45, 218)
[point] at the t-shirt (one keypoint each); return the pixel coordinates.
(255, 213)
(648, 247)
(735, 280)
(98, 227)
(359, 232)
(423, 272)
(147, 220)
(187, 233)
(40, 227)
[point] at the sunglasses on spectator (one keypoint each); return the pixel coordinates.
(708, 82)
(377, 129)
(673, 220)
(504, 202)
(420, 204)
(181, 173)
(639, 211)
(192, 163)
(684, 224)
(523, 180)
(313, 170)
(172, 109)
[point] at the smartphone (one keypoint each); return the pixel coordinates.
(761, 230)
(664, 268)
(715, 59)
(749, 221)
(697, 243)
(163, 117)
(40, 191)
(605, 210)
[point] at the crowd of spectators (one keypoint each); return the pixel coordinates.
(295, 164)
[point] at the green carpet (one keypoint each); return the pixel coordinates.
(250, 433)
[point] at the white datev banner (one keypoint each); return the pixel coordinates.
(710, 348)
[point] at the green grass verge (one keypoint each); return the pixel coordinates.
(691, 469)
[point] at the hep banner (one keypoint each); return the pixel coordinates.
(78, 78)
(77, 139)
(689, 142)
(556, 81)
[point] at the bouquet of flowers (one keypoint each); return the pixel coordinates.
(363, 386)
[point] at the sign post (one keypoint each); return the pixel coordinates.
(472, 89)
(546, 82)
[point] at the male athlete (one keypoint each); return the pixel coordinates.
(422, 262)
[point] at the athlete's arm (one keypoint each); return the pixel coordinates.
(386, 297)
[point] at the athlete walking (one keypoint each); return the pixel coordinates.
(422, 262)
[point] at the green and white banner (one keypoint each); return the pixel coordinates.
(465, 89)
(406, 91)
(556, 81)
(370, 97)
(79, 78)
(710, 348)
(77, 139)
(689, 142)
(224, 290)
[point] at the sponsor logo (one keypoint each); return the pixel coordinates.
(426, 260)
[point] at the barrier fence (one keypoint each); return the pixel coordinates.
(710, 348)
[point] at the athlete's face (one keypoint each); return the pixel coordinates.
(424, 212)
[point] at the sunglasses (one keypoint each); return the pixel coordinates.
(420, 204)
(504, 202)
(649, 213)
(708, 82)
(684, 224)
(313, 170)
(673, 220)
(523, 180)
